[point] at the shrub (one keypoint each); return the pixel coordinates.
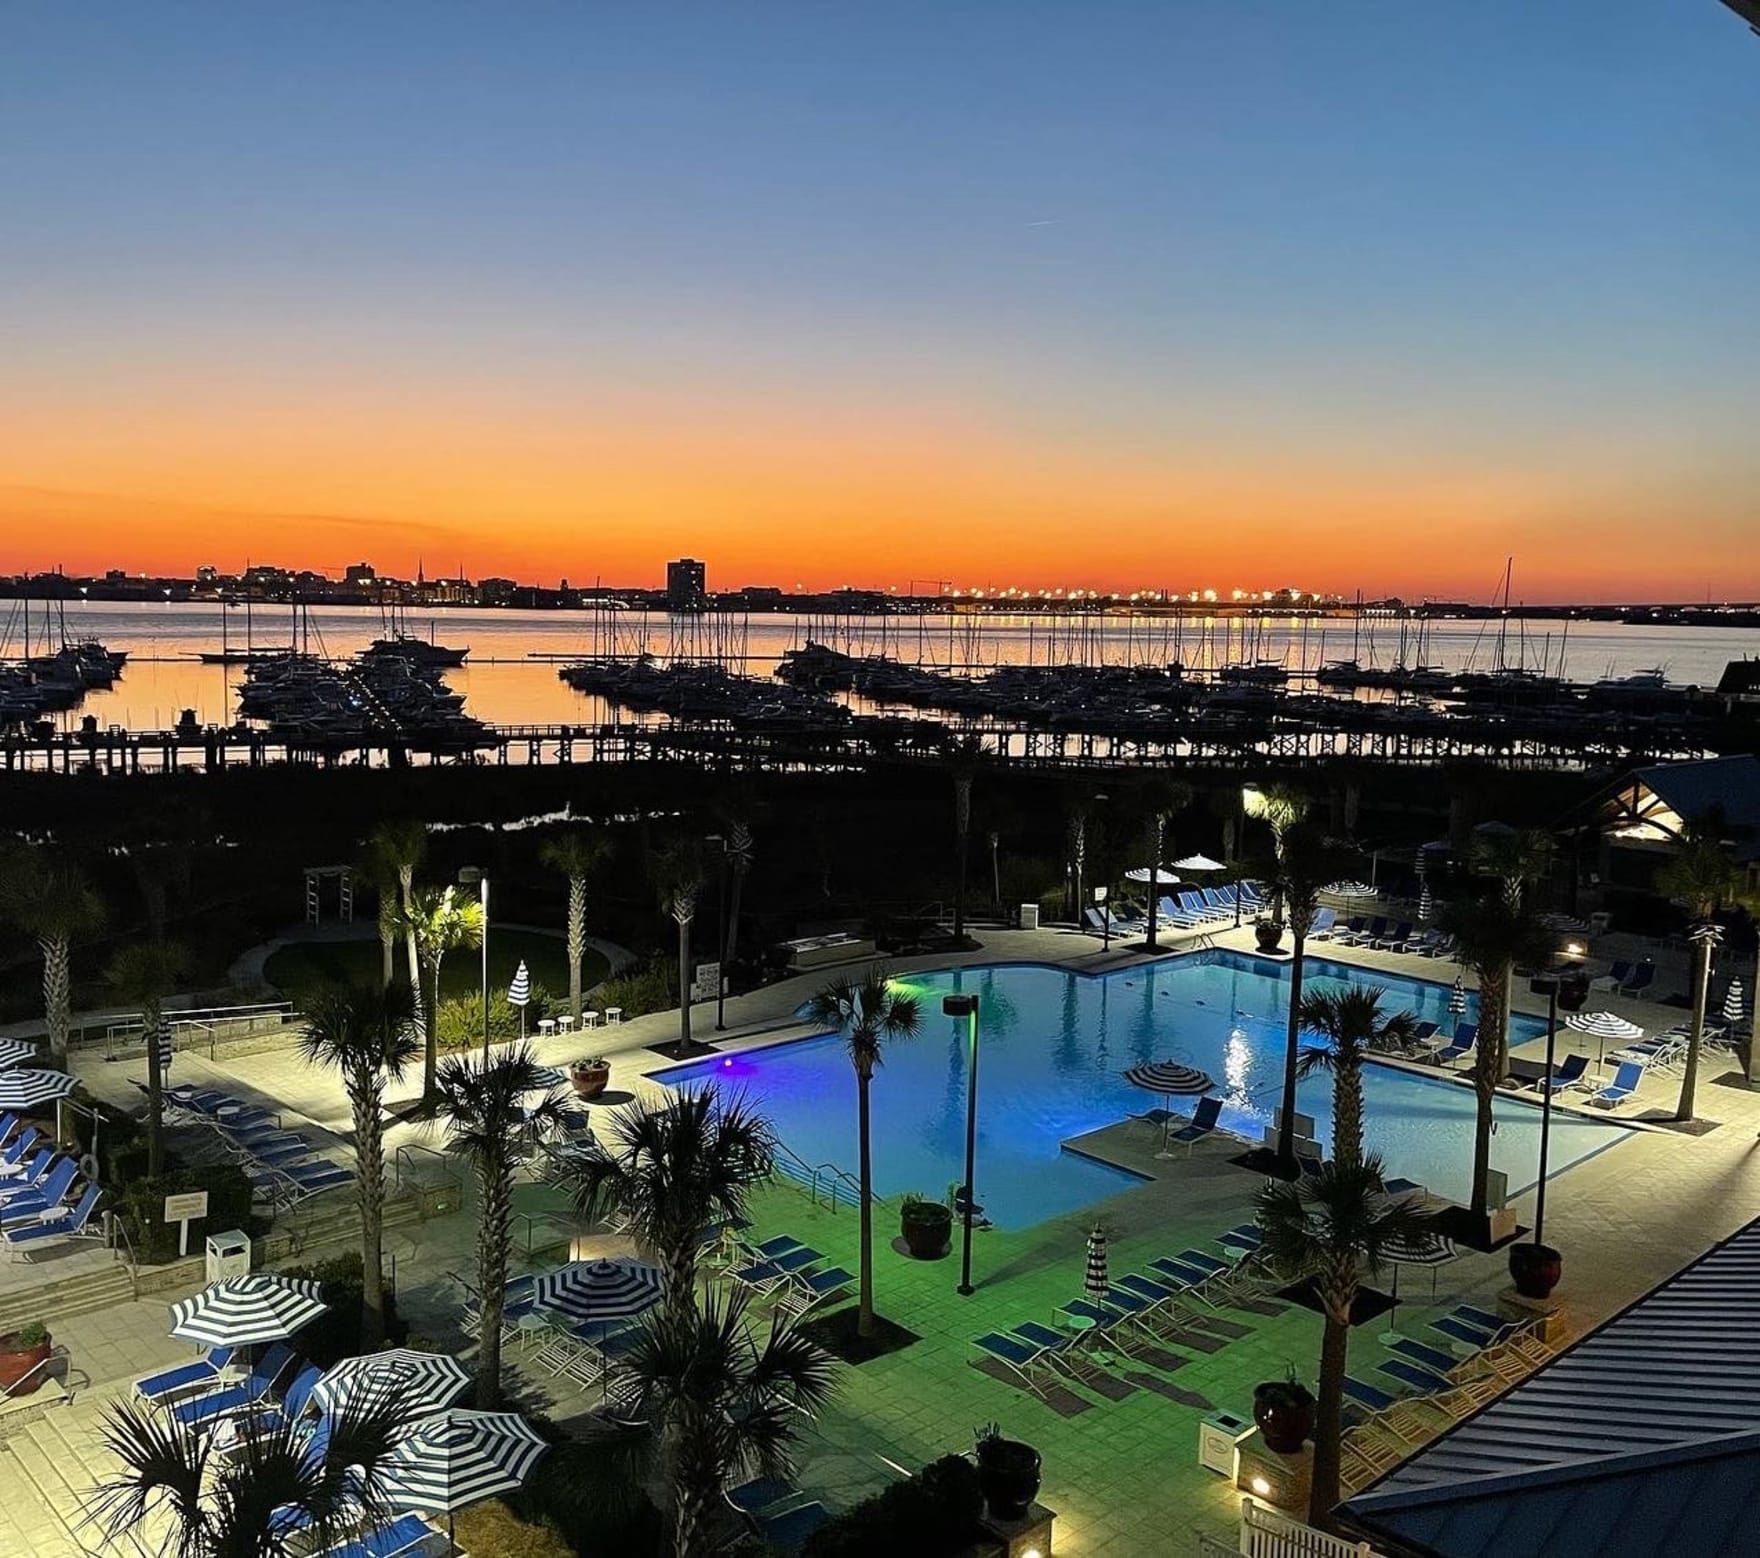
(140, 1204)
(461, 1019)
(336, 1334)
(932, 1515)
(651, 988)
(26, 1337)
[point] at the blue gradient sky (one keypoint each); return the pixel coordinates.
(1198, 293)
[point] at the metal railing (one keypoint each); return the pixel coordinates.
(403, 1159)
(553, 1220)
(1267, 1534)
(190, 1029)
(825, 1183)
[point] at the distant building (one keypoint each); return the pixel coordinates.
(687, 585)
(207, 573)
(359, 573)
(495, 591)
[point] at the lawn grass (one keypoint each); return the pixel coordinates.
(299, 967)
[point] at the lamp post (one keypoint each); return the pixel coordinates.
(1546, 984)
(966, 1006)
(720, 843)
(475, 876)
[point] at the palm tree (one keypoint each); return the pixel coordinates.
(1280, 807)
(247, 1502)
(143, 975)
(1493, 939)
(671, 1168)
(1517, 858)
(54, 902)
(487, 1116)
(729, 1406)
(1076, 846)
(741, 853)
(1703, 878)
(577, 855)
(679, 874)
(1306, 862)
(875, 1015)
(964, 757)
(1351, 1022)
(367, 1036)
(1160, 799)
(395, 853)
(439, 921)
(1333, 1228)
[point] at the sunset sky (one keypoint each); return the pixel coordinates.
(1177, 294)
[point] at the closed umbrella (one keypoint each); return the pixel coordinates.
(1457, 997)
(15, 1052)
(1095, 1282)
(599, 1291)
(29, 1087)
(1420, 1248)
(166, 1048)
(1426, 904)
(1603, 1026)
(519, 993)
(420, 1382)
(1169, 1079)
(459, 1458)
(260, 1306)
(1733, 1008)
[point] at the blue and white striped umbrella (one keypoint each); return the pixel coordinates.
(1426, 904)
(1734, 1008)
(520, 991)
(420, 1382)
(458, 1458)
(260, 1306)
(599, 1290)
(16, 1052)
(1603, 1025)
(29, 1087)
(166, 1048)
(1457, 997)
(1170, 1079)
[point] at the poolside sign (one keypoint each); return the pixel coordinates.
(708, 982)
(184, 1209)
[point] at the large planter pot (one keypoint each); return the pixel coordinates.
(1008, 1473)
(589, 1081)
(927, 1229)
(1269, 935)
(1535, 1269)
(16, 1362)
(1285, 1415)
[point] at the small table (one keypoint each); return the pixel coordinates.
(565, 1023)
(589, 1019)
(546, 1027)
(613, 1014)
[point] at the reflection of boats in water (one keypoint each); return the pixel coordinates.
(52, 680)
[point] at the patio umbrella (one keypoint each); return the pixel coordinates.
(15, 1052)
(1095, 1282)
(1420, 1248)
(1171, 1080)
(29, 1087)
(519, 994)
(1603, 1026)
(1349, 889)
(1733, 1008)
(1199, 863)
(166, 1048)
(259, 1306)
(1426, 904)
(420, 1382)
(599, 1291)
(1457, 997)
(459, 1458)
(1162, 874)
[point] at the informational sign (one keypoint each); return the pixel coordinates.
(191, 1206)
(1099, 895)
(708, 982)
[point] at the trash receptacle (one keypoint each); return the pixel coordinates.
(229, 1254)
(1029, 916)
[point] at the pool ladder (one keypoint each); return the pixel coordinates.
(825, 1184)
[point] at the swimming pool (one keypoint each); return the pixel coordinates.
(1052, 1046)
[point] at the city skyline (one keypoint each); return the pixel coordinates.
(1142, 297)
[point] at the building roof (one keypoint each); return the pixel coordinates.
(1741, 679)
(1653, 805)
(1642, 1438)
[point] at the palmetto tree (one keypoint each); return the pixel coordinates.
(271, 1494)
(964, 756)
(1351, 1022)
(1076, 846)
(439, 921)
(143, 975)
(395, 853)
(678, 876)
(1333, 1228)
(1160, 799)
(367, 1036)
(729, 1404)
(1702, 878)
(486, 1113)
(577, 855)
(1517, 858)
(1280, 807)
(52, 901)
(1307, 861)
(741, 855)
(872, 1015)
(671, 1168)
(1493, 940)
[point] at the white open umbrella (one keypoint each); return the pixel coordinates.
(458, 1458)
(600, 1291)
(1603, 1026)
(1199, 863)
(15, 1052)
(1141, 874)
(1419, 1248)
(29, 1087)
(420, 1382)
(1350, 889)
(260, 1306)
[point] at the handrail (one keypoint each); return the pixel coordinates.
(823, 1179)
(451, 1175)
(118, 1229)
(56, 1355)
(533, 1219)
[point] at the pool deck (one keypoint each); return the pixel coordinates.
(1121, 1473)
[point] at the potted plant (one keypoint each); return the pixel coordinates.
(589, 1076)
(22, 1351)
(1008, 1473)
(1268, 933)
(926, 1226)
(1284, 1411)
(1535, 1269)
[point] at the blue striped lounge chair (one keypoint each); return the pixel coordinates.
(1202, 1124)
(203, 1374)
(1030, 1365)
(408, 1534)
(1466, 1035)
(1622, 1087)
(71, 1222)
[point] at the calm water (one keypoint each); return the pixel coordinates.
(503, 686)
(1053, 1046)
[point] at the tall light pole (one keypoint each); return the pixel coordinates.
(475, 876)
(966, 1006)
(1546, 984)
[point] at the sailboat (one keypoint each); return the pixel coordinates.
(400, 644)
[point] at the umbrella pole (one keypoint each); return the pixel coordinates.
(1392, 1334)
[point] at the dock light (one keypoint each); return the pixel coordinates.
(1260, 1486)
(966, 1006)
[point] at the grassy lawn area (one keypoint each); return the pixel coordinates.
(299, 967)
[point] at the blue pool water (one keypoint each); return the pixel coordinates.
(1053, 1045)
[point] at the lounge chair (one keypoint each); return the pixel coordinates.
(1616, 976)
(788, 1533)
(1569, 1075)
(1203, 1123)
(1377, 927)
(167, 1384)
(1425, 1381)
(47, 1195)
(1624, 1084)
(804, 1293)
(70, 1223)
(1063, 1351)
(25, 1177)
(1461, 1045)
(1030, 1365)
(1370, 1396)
(1394, 940)
(1244, 1239)
(407, 1534)
(203, 1411)
(1643, 976)
(1437, 1361)
(17, 1148)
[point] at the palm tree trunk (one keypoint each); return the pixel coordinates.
(680, 1267)
(684, 984)
(57, 995)
(1347, 1110)
(691, 1522)
(1154, 899)
(577, 941)
(387, 956)
(1335, 1343)
(865, 1311)
(494, 1233)
(1701, 992)
(406, 888)
(369, 1173)
(1493, 1020)
(431, 1040)
(155, 1092)
(1286, 1134)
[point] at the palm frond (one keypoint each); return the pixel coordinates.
(163, 1468)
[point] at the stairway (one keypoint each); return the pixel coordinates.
(102, 1288)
